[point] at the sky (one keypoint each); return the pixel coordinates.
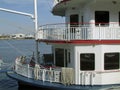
(13, 23)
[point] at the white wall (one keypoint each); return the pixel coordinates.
(99, 51)
(89, 11)
(105, 6)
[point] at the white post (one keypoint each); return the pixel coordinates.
(35, 15)
(28, 71)
(43, 75)
(36, 28)
(50, 76)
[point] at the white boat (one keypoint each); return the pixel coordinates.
(86, 48)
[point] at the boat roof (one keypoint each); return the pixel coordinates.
(61, 7)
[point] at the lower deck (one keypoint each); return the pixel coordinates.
(82, 65)
(94, 64)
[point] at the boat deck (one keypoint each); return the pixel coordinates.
(56, 86)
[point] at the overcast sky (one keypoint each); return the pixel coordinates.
(12, 23)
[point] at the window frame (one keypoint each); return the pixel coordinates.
(83, 63)
(100, 20)
(109, 65)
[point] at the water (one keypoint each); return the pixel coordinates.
(9, 50)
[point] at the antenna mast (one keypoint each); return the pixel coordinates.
(36, 28)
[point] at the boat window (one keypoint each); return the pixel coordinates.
(74, 20)
(101, 18)
(87, 61)
(111, 61)
(48, 58)
(62, 57)
(59, 57)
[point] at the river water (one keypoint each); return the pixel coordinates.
(9, 50)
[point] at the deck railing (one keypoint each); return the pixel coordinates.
(81, 32)
(66, 75)
(56, 74)
(105, 77)
(44, 74)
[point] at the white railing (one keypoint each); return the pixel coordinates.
(44, 74)
(66, 75)
(82, 32)
(59, 75)
(105, 77)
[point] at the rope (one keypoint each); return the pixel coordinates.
(14, 24)
(12, 46)
(9, 67)
(18, 50)
(49, 5)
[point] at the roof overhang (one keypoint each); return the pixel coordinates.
(60, 8)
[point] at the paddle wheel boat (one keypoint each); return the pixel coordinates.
(86, 48)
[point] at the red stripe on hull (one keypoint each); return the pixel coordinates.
(82, 41)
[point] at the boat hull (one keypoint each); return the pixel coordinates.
(24, 82)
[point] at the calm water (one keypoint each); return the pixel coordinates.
(9, 50)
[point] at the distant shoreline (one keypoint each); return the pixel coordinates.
(14, 38)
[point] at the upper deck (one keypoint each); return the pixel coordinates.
(99, 22)
(86, 32)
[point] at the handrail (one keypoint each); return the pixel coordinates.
(79, 32)
(59, 76)
(51, 75)
(82, 23)
(100, 72)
